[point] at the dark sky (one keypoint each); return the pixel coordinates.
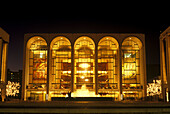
(18, 25)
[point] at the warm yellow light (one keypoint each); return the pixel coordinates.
(41, 55)
(82, 77)
(84, 92)
(84, 72)
(65, 72)
(12, 88)
(84, 65)
(103, 72)
(154, 88)
(86, 80)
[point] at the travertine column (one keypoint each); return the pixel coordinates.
(143, 72)
(4, 69)
(165, 62)
(48, 71)
(4, 62)
(120, 72)
(1, 47)
(168, 63)
(96, 69)
(3, 90)
(23, 96)
(162, 68)
(72, 68)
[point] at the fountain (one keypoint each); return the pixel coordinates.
(84, 92)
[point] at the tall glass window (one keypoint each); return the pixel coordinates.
(107, 65)
(37, 70)
(131, 68)
(84, 53)
(38, 62)
(61, 67)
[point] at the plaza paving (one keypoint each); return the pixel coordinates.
(84, 107)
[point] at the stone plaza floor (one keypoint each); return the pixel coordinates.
(84, 107)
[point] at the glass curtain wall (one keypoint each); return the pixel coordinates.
(130, 69)
(61, 67)
(107, 67)
(37, 70)
(84, 57)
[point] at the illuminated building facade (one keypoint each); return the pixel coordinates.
(107, 64)
(4, 40)
(165, 63)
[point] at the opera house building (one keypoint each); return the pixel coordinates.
(4, 42)
(165, 63)
(85, 65)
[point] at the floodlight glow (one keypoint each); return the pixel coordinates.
(86, 80)
(84, 65)
(41, 55)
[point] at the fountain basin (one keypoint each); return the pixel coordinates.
(83, 99)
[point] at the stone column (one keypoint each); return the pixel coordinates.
(72, 68)
(168, 63)
(3, 90)
(48, 71)
(23, 96)
(1, 47)
(120, 72)
(4, 62)
(4, 69)
(142, 72)
(162, 67)
(25, 74)
(96, 69)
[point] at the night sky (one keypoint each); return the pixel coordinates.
(18, 25)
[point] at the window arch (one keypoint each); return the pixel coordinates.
(61, 65)
(37, 60)
(84, 63)
(107, 65)
(131, 47)
(36, 68)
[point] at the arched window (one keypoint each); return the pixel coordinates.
(131, 65)
(36, 69)
(107, 65)
(61, 65)
(38, 62)
(84, 63)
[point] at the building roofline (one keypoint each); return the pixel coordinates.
(165, 32)
(4, 35)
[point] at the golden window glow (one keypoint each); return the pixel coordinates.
(37, 64)
(84, 63)
(61, 66)
(73, 67)
(107, 67)
(130, 62)
(131, 68)
(41, 55)
(82, 77)
(38, 61)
